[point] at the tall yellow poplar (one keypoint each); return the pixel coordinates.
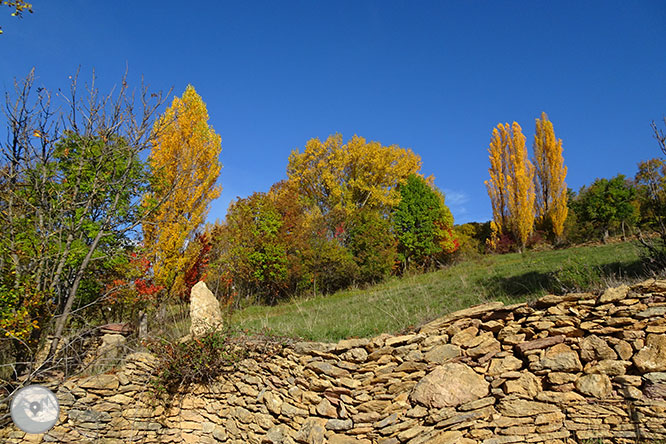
(185, 161)
(497, 185)
(520, 183)
(551, 201)
(511, 187)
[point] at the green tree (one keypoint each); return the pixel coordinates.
(651, 180)
(422, 224)
(256, 256)
(69, 199)
(607, 204)
(651, 189)
(373, 248)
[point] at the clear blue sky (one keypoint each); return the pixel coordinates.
(435, 77)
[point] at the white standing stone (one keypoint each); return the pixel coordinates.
(205, 312)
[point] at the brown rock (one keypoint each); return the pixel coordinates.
(527, 385)
(561, 358)
(596, 385)
(324, 408)
(273, 403)
(449, 437)
(608, 367)
(490, 346)
(442, 353)
(355, 355)
(559, 397)
(502, 365)
(538, 344)
(449, 385)
(471, 312)
(344, 439)
(523, 407)
(652, 357)
(558, 378)
(593, 348)
(100, 382)
(614, 294)
(465, 336)
(312, 431)
(624, 350)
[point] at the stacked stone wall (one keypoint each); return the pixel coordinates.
(564, 369)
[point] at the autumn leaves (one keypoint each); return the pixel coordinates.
(184, 161)
(523, 193)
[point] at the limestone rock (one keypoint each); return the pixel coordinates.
(450, 385)
(339, 425)
(278, 435)
(596, 385)
(608, 367)
(205, 312)
(273, 403)
(111, 348)
(652, 357)
(502, 365)
(442, 353)
(527, 385)
(561, 358)
(593, 348)
(523, 407)
(614, 294)
(312, 431)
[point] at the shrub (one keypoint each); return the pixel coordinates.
(195, 361)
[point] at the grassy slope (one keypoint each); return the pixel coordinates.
(400, 303)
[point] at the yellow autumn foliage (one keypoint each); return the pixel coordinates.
(497, 185)
(511, 187)
(185, 161)
(346, 177)
(551, 202)
(520, 183)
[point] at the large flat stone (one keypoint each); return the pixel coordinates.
(450, 385)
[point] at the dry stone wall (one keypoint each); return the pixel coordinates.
(564, 369)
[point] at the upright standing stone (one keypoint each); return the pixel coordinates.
(205, 312)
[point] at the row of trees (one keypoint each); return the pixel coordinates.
(530, 198)
(349, 213)
(522, 192)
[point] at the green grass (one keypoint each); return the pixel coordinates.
(400, 303)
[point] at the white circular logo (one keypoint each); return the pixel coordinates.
(35, 409)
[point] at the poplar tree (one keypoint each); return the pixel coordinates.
(497, 185)
(520, 183)
(511, 187)
(184, 161)
(551, 190)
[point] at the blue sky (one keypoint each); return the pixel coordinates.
(435, 77)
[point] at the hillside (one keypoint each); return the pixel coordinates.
(400, 303)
